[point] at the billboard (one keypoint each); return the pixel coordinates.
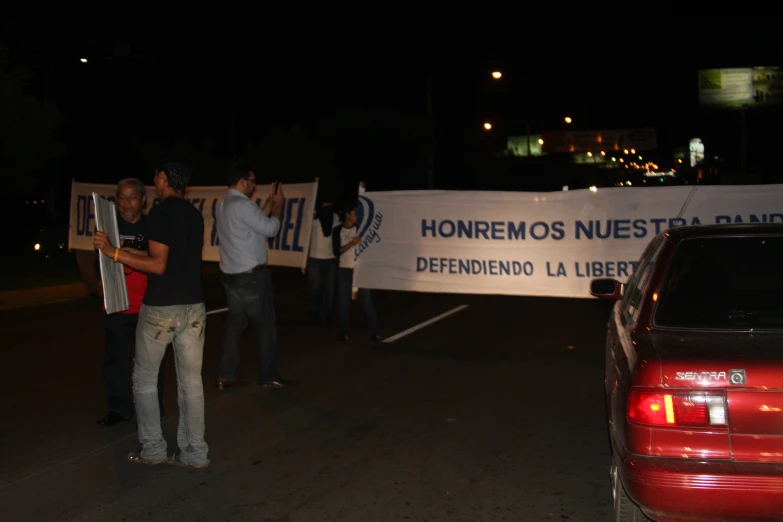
(596, 141)
(741, 87)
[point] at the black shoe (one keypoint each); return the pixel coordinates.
(343, 338)
(375, 338)
(111, 419)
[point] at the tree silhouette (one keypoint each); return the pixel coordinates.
(28, 129)
(384, 147)
(290, 155)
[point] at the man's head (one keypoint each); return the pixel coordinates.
(171, 176)
(131, 196)
(241, 177)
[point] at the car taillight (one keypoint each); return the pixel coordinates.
(677, 408)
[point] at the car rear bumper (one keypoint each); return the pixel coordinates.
(689, 489)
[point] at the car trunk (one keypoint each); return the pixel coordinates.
(748, 367)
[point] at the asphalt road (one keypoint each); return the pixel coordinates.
(495, 412)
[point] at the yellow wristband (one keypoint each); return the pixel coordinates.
(116, 254)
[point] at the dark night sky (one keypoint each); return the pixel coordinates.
(186, 77)
(598, 71)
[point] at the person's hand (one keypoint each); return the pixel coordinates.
(356, 240)
(280, 196)
(101, 242)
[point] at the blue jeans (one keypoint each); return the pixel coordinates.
(250, 297)
(117, 363)
(321, 278)
(344, 290)
(184, 326)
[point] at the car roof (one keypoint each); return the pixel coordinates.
(728, 229)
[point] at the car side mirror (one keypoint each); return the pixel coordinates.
(606, 289)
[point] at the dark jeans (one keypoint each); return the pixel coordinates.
(321, 276)
(344, 290)
(120, 335)
(250, 297)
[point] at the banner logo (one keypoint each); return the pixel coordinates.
(368, 224)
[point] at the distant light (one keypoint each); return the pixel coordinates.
(487, 125)
(568, 119)
(589, 154)
(640, 158)
(614, 159)
(83, 60)
(540, 141)
(603, 153)
(628, 183)
(621, 160)
(37, 246)
(633, 151)
(565, 188)
(625, 151)
(679, 161)
(497, 74)
(593, 189)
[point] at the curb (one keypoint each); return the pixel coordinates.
(13, 299)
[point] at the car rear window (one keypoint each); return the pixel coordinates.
(731, 283)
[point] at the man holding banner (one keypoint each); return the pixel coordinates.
(121, 327)
(344, 241)
(172, 311)
(243, 230)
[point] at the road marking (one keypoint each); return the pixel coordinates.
(425, 323)
(217, 311)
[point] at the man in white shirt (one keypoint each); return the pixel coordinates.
(344, 241)
(243, 229)
(321, 263)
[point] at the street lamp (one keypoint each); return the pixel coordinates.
(568, 119)
(496, 74)
(540, 141)
(83, 60)
(487, 125)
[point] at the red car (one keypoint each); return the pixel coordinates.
(694, 376)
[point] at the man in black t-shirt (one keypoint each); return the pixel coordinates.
(172, 312)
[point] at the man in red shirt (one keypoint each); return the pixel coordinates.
(121, 327)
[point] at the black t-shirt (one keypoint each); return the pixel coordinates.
(177, 224)
(133, 235)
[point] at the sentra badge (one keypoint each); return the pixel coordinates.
(702, 376)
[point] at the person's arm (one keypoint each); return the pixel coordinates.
(154, 263)
(273, 206)
(350, 244)
(342, 249)
(135, 251)
(257, 219)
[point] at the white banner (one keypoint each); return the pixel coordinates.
(538, 244)
(288, 248)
